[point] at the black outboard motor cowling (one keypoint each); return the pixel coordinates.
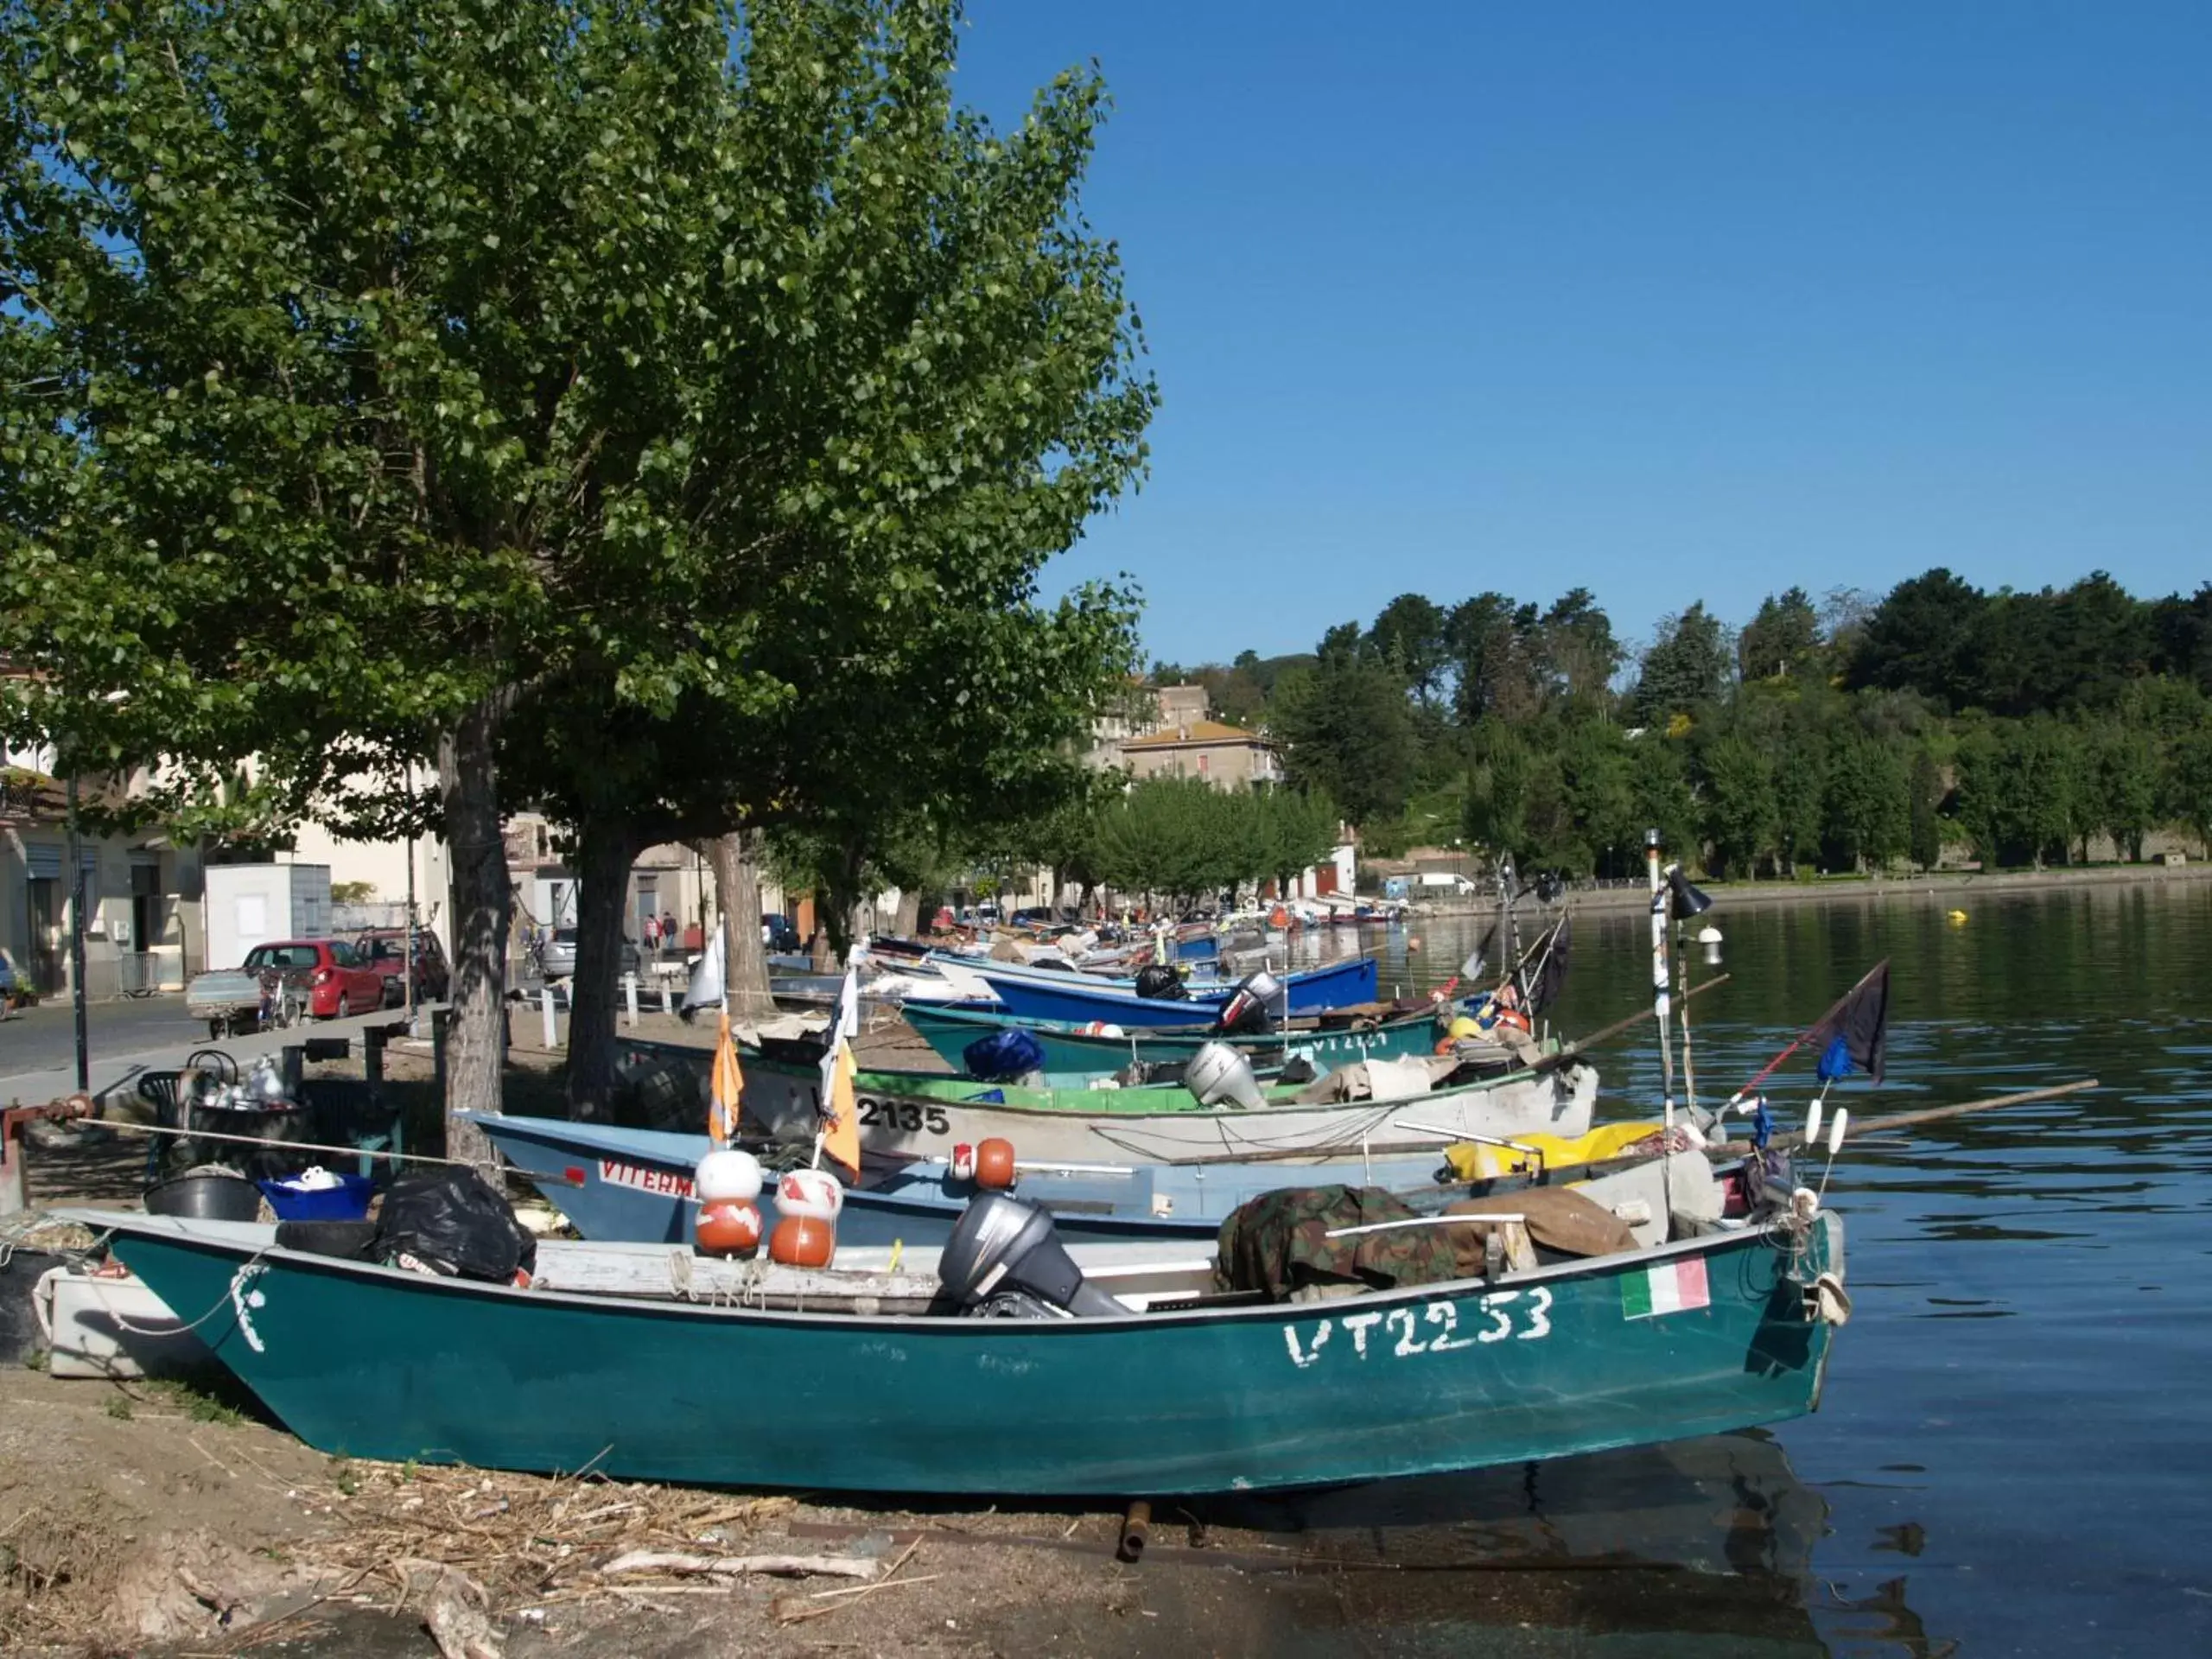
(1006, 1253)
(1161, 983)
(1253, 1005)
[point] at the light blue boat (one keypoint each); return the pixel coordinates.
(634, 1185)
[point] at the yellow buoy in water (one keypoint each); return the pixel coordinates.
(1956, 918)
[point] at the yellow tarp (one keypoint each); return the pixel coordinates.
(1471, 1161)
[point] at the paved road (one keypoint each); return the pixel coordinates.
(43, 1039)
(38, 1052)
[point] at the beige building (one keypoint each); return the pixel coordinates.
(1228, 756)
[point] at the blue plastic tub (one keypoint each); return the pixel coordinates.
(347, 1201)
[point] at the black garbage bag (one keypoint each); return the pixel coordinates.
(454, 1222)
(1161, 983)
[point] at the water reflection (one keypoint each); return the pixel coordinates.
(1705, 1546)
(2016, 1410)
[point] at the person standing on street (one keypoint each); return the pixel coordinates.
(652, 937)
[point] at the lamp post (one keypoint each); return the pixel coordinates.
(77, 940)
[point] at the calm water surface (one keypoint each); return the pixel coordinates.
(2014, 1455)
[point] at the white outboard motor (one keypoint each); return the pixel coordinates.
(1253, 1006)
(1005, 1261)
(1218, 1073)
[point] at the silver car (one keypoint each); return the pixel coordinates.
(556, 959)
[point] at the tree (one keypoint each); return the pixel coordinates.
(1409, 635)
(1484, 638)
(2189, 784)
(1597, 792)
(1740, 816)
(1347, 734)
(2122, 789)
(1687, 669)
(2017, 783)
(1580, 654)
(1784, 634)
(1866, 810)
(1496, 813)
(675, 373)
(2182, 628)
(1923, 832)
(1800, 784)
(1916, 638)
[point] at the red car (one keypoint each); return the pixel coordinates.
(336, 978)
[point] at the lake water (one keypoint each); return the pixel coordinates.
(2014, 1455)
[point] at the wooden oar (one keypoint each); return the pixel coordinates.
(1926, 1114)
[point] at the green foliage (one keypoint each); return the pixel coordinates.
(2020, 790)
(1741, 819)
(1865, 805)
(1346, 732)
(1687, 668)
(1180, 838)
(2121, 787)
(1826, 739)
(2189, 784)
(1498, 788)
(1780, 639)
(657, 414)
(1923, 833)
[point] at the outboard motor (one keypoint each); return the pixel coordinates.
(1161, 983)
(1252, 1006)
(1004, 1261)
(1218, 1073)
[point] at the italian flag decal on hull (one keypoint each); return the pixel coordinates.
(1670, 1287)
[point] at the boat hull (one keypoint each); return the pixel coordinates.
(634, 1186)
(1073, 1057)
(918, 1115)
(1033, 994)
(372, 1361)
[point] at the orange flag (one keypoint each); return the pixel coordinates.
(727, 1093)
(840, 1115)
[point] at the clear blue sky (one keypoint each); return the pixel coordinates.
(1672, 302)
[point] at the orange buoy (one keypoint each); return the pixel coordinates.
(803, 1241)
(729, 1227)
(994, 1164)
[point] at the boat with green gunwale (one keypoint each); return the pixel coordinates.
(1076, 1054)
(922, 1114)
(624, 1359)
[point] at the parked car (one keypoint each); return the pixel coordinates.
(284, 981)
(779, 934)
(385, 950)
(557, 960)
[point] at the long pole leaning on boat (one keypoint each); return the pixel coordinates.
(1660, 1006)
(1923, 1115)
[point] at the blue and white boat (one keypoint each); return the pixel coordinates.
(634, 1185)
(1049, 994)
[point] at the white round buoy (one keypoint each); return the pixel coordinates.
(727, 1175)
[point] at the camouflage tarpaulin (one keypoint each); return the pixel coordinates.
(1278, 1243)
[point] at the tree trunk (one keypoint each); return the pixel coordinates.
(469, 796)
(736, 859)
(606, 848)
(908, 921)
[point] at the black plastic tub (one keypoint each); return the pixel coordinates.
(205, 1197)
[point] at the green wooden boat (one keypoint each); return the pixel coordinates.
(831, 1388)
